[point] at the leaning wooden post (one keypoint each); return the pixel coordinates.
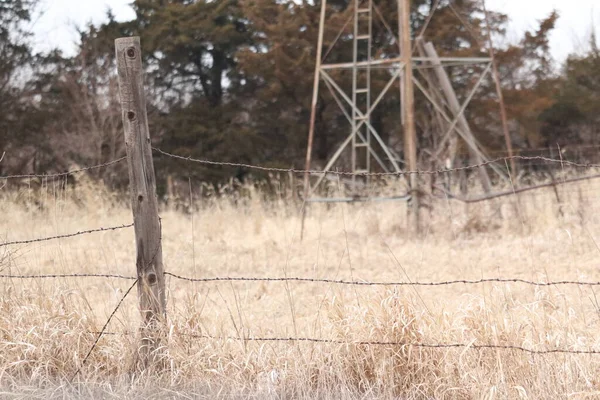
(313, 114)
(144, 203)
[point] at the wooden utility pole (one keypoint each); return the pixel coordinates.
(499, 91)
(144, 203)
(408, 101)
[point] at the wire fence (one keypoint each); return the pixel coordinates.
(500, 160)
(66, 235)
(287, 279)
(65, 173)
(471, 345)
(468, 346)
(317, 280)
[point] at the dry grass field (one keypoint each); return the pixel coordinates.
(47, 325)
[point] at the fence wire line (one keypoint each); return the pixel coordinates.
(60, 174)
(298, 171)
(101, 333)
(316, 280)
(402, 173)
(66, 235)
(468, 346)
(367, 283)
(60, 276)
(112, 314)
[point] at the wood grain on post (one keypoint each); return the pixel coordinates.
(313, 113)
(144, 203)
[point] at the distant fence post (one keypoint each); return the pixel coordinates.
(144, 203)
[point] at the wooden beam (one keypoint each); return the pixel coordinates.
(396, 62)
(142, 186)
(408, 101)
(452, 101)
(313, 113)
(438, 97)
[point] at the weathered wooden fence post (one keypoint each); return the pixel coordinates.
(144, 203)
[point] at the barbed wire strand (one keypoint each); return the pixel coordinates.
(60, 276)
(510, 192)
(331, 341)
(319, 280)
(299, 279)
(367, 283)
(101, 333)
(66, 235)
(66, 173)
(471, 346)
(389, 343)
(294, 170)
(348, 173)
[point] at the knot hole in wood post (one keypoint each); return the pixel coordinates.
(130, 115)
(130, 52)
(151, 278)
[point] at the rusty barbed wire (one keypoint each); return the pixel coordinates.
(66, 235)
(467, 346)
(101, 333)
(402, 173)
(60, 174)
(62, 276)
(367, 283)
(319, 280)
(514, 191)
(470, 346)
(390, 343)
(112, 314)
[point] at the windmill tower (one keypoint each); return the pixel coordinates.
(433, 81)
(362, 135)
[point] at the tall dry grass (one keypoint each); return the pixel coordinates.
(47, 326)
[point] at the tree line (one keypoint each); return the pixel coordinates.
(231, 80)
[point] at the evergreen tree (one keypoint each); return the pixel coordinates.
(575, 116)
(17, 133)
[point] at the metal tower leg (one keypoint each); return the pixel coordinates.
(361, 88)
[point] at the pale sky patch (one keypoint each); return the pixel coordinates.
(56, 26)
(572, 33)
